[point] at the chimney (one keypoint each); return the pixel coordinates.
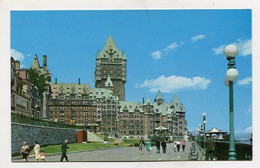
(79, 81)
(44, 60)
(143, 100)
(55, 80)
(17, 65)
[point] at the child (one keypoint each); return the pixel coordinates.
(174, 146)
(43, 157)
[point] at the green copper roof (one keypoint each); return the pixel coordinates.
(177, 104)
(110, 48)
(147, 101)
(163, 108)
(69, 88)
(35, 63)
(130, 106)
(159, 95)
(101, 93)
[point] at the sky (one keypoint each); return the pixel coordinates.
(175, 51)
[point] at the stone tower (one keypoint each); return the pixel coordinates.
(111, 62)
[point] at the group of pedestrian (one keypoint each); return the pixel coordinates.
(158, 145)
(38, 155)
(25, 151)
(146, 145)
(177, 145)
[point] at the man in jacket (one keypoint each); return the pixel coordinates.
(157, 143)
(64, 148)
(210, 148)
(164, 146)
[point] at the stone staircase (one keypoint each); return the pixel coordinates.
(92, 137)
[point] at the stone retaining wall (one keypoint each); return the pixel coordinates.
(44, 135)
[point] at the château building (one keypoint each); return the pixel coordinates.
(111, 63)
(102, 109)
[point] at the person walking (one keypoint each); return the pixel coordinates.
(174, 146)
(183, 145)
(141, 145)
(148, 146)
(64, 148)
(25, 151)
(210, 148)
(157, 144)
(36, 150)
(178, 144)
(164, 146)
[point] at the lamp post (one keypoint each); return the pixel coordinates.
(204, 131)
(231, 75)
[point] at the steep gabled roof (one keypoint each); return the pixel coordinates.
(110, 44)
(147, 101)
(159, 95)
(108, 83)
(175, 100)
(177, 104)
(35, 64)
(130, 106)
(163, 108)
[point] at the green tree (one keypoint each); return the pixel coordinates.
(38, 79)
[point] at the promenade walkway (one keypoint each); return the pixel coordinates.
(123, 154)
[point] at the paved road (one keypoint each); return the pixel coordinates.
(123, 154)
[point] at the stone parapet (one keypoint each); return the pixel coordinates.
(44, 135)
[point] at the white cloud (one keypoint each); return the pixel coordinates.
(18, 56)
(170, 47)
(248, 130)
(159, 53)
(174, 83)
(219, 50)
(197, 38)
(245, 81)
(156, 55)
(244, 48)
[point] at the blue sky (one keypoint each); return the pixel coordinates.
(177, 51)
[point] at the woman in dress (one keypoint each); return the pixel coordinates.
(148, 146)
(36, 150)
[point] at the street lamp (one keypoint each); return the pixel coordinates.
(204, 131)
(231, 75)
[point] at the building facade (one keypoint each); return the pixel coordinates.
(20, 90)
(160, 113)
(131, 120)
(111, 63)
(92, 108)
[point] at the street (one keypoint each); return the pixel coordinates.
(122, 154)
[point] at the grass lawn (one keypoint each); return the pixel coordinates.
(77, 147)
(74, 147)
